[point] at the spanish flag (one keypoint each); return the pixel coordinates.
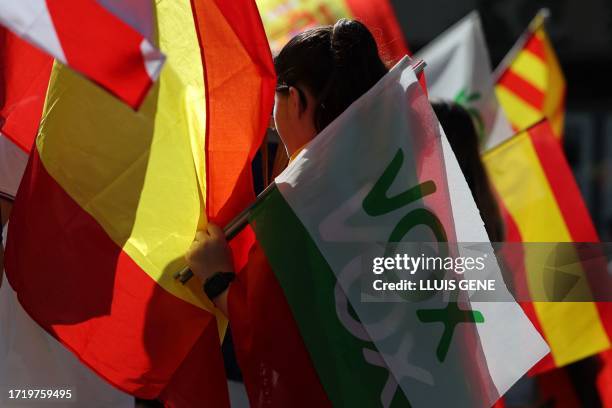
(112, 197)
(542, 203)
(96, 39)
(24, 76)
(530, 84)
(283, 19)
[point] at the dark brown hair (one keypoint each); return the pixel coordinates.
(337, 64)
(459, 128)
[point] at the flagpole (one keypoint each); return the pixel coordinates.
(241, 220)
(232, 229)
(540, 18)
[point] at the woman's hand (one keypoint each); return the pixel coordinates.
(209, 253)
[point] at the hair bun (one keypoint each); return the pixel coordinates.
(336, 64)
(350, 38)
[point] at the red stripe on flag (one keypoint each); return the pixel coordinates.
(275, 363)
(102, 47)
(24, 77)
(569, 199)
(200, 379)
(605, 316)
(240, 95)
(380, 18)
(244, 19)
(500, 403)
(536, 47)
(562, 183)
(423, 82)
(96, 301)
(604, 379)
(522, 88)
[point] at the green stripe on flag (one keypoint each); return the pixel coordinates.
(309, 284)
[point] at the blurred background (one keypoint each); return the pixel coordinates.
(581, 33)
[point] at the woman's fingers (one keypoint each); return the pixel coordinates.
(215, 231)
(201, 235)
(209, 252)
(212, 231)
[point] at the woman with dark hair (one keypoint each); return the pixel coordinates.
(461, 133)
(320, 73)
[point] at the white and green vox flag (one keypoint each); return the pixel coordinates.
(458, 69)
(383, 174)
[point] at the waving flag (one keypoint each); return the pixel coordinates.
(283, 19)
(380, 173)
(24, 77)
(458, 69)
(28, 353)
(30, 356)
(542, 203)
(530, 83)
(111, 200)
(89, 37)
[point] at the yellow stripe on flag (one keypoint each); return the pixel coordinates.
(572, 330)
(540, 33)
(520, 113)
(531, 69)
(554, 100)
(544, 73)
(139, 174)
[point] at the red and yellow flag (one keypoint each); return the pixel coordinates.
(541, 202)
(106, 43)
(111, 200)
(530, 83)
(24, 76)
(283, 19)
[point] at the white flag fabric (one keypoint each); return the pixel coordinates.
(384, 173)
(136, 13)
(458, 69)
(31, 359)
(108, 42)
